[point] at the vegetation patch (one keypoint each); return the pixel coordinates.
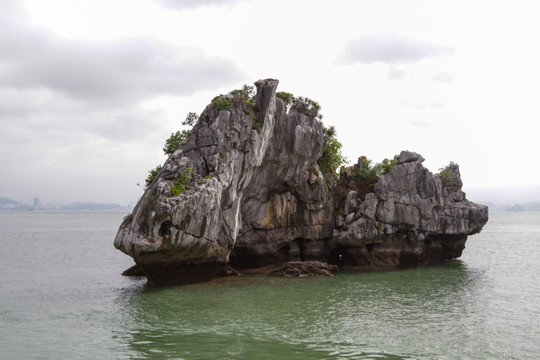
(287, 98)
(314, 104)
(150, 203)
(338, 212)
(221, 103)
(331, 158)
(191, 119)
(255, 126)
(174, 141)
(366, 174)
(152, 175)
(180, 181)
(246, 93)
(178, 138)
(446, 178)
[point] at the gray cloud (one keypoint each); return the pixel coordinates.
(388, 48)
(114, 72)
(189, 4)
(72, 124)
(111, 72)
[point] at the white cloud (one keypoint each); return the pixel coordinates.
(442, 77)
(418, 123)
(432, 106)
(395, 73)
(388, 48)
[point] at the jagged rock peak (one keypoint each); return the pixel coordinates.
(408, 156)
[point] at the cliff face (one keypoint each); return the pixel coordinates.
(411, 218)
(245, 190)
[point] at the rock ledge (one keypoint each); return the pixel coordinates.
(304, 269)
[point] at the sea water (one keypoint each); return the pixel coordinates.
(62, 297)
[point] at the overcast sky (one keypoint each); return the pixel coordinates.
(90, 90)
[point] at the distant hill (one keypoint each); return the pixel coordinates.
(531, 206)
(92, 206)
(9, 204)
(6, 203)
(516, 208)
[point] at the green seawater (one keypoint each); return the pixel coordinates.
(62, 297)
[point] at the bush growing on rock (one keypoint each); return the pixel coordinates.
(174, 141)
(221, 103)
(180, 182)
(152, 175)
(246, 93)
(191, 119)
(314, 104)
(287, 98)
(446, 176)
(179, 137)
(367, 174)
(331, 158)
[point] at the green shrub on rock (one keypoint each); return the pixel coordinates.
(367, 174)
(174, 141)
(446, 178)
(331, 158)
(152, 175)
(180, 182)
(246, 93)
(287, 98)
(221, 103)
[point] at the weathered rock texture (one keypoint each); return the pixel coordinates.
(304, 269)
(411, 218)
(255, 197)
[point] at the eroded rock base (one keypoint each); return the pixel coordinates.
(398, 253)
(181, 274)
(304, 269)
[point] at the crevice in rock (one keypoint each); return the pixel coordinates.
(301, 248)
(337, 256)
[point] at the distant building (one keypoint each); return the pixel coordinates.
(36, 203)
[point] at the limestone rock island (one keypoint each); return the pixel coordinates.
(246, 190)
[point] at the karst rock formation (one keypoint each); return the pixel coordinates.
(254, 197)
